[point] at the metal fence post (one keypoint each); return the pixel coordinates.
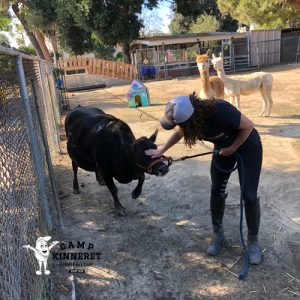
(37, 159)
(53, 97)
(48, 159)
(45, 100)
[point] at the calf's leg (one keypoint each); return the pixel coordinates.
(137, 191)
(99, 178)
(75, 180)
(120, 210)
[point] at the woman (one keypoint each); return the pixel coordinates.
(229, 130)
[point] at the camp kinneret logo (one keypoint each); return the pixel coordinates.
(71, 254)
(42, 252)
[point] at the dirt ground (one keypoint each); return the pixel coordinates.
(159, 250)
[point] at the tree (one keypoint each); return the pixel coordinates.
(4, 40)
(97, 25)
(5, 23)
(20, 32)
(192, 9)
(40, 16)
(19, 7)
(27, 49)
(151, 22)
(293, 3)
(100, 50)
(35, 43)
(180, 24)
(113, 22)
(118, 22)
(43, 17)
(227, 22)
(205, 23)
(265, 13)
(56, 20)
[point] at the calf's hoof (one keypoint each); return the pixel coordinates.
(100, 180)
(136, 193)
(76, 191)
(121, 211)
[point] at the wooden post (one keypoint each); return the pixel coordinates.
(165, 65)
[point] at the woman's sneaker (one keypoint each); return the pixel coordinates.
(216, 243)
(255, 255)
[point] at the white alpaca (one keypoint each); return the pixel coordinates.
(245, 85)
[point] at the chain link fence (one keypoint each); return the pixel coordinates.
(29, 117)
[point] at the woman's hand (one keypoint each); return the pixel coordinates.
(173, 139)
(228, 151)
(155, 153)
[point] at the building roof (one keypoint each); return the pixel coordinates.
(186, 38)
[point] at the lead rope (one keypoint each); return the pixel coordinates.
(240, 163)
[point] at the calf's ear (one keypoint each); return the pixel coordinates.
(153, 136)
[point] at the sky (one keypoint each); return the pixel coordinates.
(163, 12)
(12, 37)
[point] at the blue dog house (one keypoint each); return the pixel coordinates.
(138, 95)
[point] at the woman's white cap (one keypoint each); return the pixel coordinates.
(177, 111)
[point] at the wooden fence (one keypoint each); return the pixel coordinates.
(80, 64)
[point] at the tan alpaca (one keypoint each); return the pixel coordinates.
(245, 85)
(211, 87)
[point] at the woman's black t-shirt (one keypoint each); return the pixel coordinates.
(222, 127)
